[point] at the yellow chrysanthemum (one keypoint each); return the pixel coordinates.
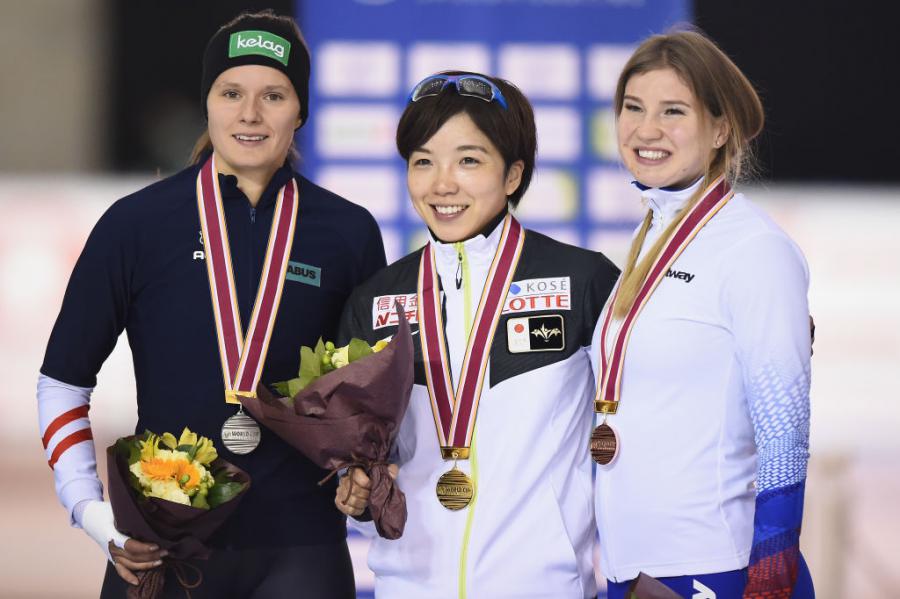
(174, 467)
(188, 475)
(160, 469)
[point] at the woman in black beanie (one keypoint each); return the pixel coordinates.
(183, 266)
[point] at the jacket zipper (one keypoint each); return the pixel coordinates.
(463, 281)
(252, 291)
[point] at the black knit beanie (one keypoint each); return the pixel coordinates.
(261, 40)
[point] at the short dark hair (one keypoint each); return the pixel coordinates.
(511, 130)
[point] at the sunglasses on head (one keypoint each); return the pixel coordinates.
(473, 86)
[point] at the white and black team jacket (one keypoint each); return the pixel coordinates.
(530, 530)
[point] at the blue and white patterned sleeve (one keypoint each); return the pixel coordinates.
(766, 298)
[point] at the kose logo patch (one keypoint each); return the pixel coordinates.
(533, 295)
(261, 43)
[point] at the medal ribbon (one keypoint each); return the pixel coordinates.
(243, 356)
(454, 413)
(611, 366)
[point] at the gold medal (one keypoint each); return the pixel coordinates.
(454, 489)
(455, 409)
(604, 444)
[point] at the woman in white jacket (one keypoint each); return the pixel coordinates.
(703, 352)
(491, 452)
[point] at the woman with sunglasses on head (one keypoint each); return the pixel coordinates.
(703, 352)
(492, 454)
(237, 238)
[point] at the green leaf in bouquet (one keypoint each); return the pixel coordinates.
(293, 387)
(132, 452)
(310, 364)
(129, 449)
(358, 349)
(190, 450)
(200, 500)
(223, 492)
(283, 388)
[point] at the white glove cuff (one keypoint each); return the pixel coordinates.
(98, 522)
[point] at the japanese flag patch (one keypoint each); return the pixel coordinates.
(535, 333)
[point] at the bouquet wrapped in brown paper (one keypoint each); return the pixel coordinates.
(349, 416)
(174, 493)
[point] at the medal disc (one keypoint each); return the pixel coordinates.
(455, 490)
(604, 444)
(240, 434)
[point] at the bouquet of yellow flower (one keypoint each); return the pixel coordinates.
(178, 470)
(174, 493)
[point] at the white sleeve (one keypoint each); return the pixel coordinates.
(766, 297)
(68, 443)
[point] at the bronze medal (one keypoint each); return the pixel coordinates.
(604, 444)
(454, 489)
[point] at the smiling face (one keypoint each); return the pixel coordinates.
(253, 112)
(458, 181)
(666, 137)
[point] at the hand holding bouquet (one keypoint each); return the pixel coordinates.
(171, 492)
(344, 410)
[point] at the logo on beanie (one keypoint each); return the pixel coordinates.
(261, 43)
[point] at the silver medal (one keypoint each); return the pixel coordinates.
(240, 433)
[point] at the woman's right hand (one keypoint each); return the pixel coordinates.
(125, 553)
(135, 556)
(352, 496)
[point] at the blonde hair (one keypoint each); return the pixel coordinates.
(725, 93)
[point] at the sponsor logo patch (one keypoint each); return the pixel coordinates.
(384, 314)
(535, 333)
(681, 275)
(532, 295)
(261, 43)
(304, 273)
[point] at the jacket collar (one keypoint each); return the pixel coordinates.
(478, 248)
(666, 202)
(228, 185)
